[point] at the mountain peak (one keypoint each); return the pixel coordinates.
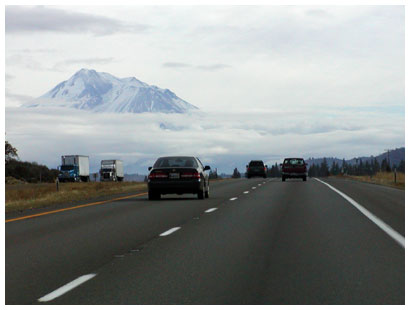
(88, 89)
(85, 72)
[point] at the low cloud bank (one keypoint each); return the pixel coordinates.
(224, 139)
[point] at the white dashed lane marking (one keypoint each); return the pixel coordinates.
(68, 287)
(234, 198)
(170, 231)
(211, 210)
(246, 192)
(253, 187)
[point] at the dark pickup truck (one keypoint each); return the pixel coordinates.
(294, 168)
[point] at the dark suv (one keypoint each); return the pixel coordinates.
(294, 168)
(256, 168)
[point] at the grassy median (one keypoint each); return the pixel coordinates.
(31, 196)
(382, 178)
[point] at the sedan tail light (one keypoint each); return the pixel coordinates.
(158, 175)
(192, 175)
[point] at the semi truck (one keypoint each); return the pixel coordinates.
(111, 170)
(74, 168)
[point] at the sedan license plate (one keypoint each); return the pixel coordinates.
(174, 175)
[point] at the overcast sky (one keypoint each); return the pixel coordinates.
(270, 81)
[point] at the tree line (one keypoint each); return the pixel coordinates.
(323, 169)
(360, 168)
(26, 171)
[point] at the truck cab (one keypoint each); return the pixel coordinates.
(68, 173)
(74, 168)
(111, 170)
(107, 174)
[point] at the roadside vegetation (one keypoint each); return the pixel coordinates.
(25, 196)
(22, 171)
(382, 178)
(30, 185)
(370, 172)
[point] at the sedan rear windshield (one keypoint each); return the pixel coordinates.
(294, 161)
(176, 162)
(256, 163)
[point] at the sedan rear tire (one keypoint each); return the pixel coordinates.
(154, 195)
(201, 194)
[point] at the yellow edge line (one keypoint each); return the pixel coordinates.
(72, 208)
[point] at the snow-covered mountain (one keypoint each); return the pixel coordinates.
(103, 92)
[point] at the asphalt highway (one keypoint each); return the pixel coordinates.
(257, 241)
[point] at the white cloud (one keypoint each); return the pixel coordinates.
(270, 80)
(29, 19)
(224, 140)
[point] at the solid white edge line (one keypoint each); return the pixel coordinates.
(234, 198)
(382, 225)
(68, 287)
(169, 231)
(211, 210)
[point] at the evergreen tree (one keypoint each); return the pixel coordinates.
(385, 167)
(360, 168)
(376, 166)
(367, 168)
(401, 167)
(344, 167)
(270, 172)
(324, 168)
(236, 174)
(213, 174)
(335, 170)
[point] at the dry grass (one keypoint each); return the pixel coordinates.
(32, 196)
(382, 178)
(23, 196)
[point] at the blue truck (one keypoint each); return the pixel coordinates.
(74, 168)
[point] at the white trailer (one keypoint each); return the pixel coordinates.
(111, 170)
(74, 168)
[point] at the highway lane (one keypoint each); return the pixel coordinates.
(385, 202)
(280, 243)
(45, 252)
